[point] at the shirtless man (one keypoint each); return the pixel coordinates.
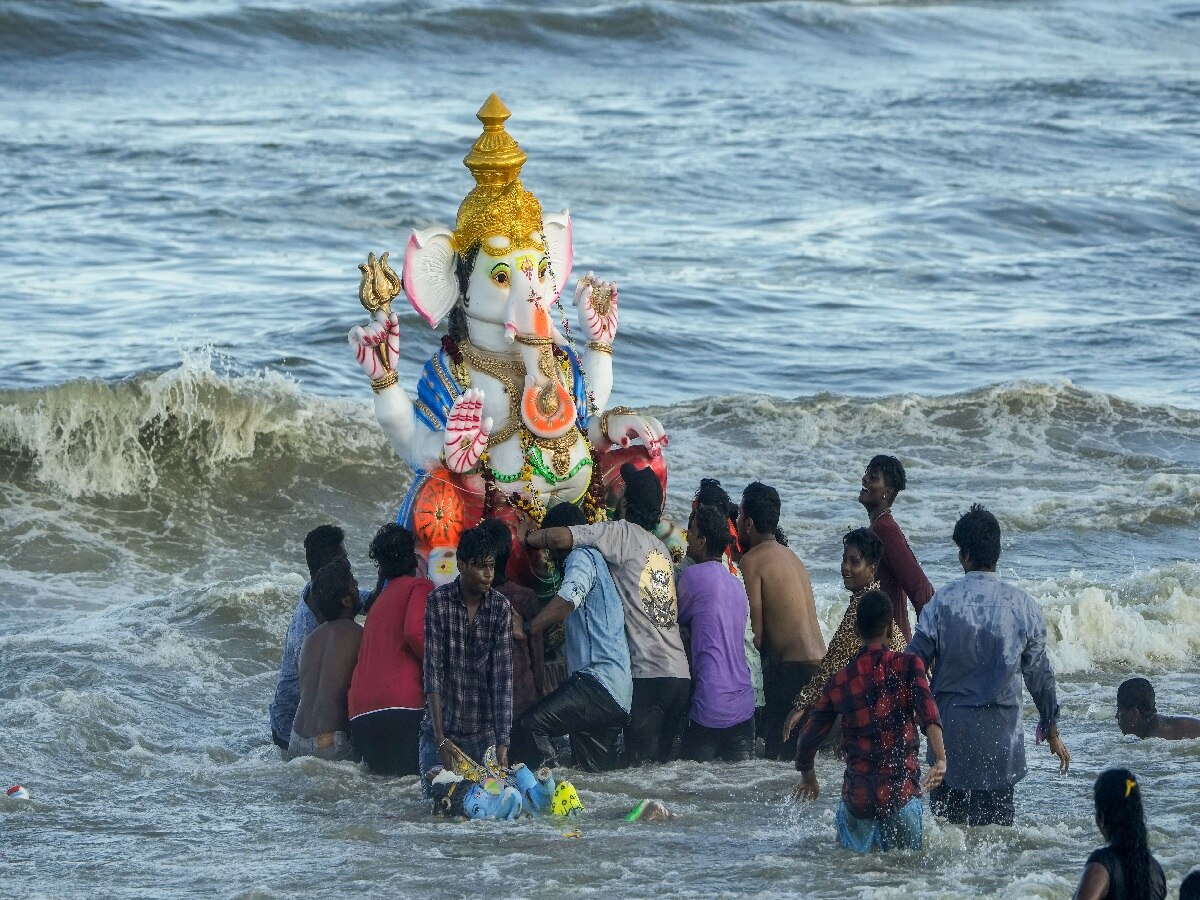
(327, 660)
(1138, 714)
(782, 612)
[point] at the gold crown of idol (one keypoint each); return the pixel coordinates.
(499, 206)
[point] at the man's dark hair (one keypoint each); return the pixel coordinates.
(322, 545)
(712, 494)
(393, 552)
(1120, 814)
(760, 503)
(502, 538)
(1189, 889)
(891, 470)
(330, 585)
(1137, 693)
(475, 546)
(713, 526)
(977, 533)
(866, 542)
(563, 515)
(643, 496)
(874, 615)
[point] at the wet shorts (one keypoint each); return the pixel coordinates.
(332, 745)
(902, 830)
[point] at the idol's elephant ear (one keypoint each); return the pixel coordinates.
(557, 229)
(429, 277)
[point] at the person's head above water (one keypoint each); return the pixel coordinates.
(1122, 820)
(977, 536)
(760, 508)
(393, 552)
(1189, 889)
(476, 561)
(334, 591)
(642, 501)
(322, 545)
(710, 493)
(707, 534)
(874, 616)
(502, 538)
(882, 480)
(562, 515)
(1136, 707)
(861, 552)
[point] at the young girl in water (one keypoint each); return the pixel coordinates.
(1124, 869)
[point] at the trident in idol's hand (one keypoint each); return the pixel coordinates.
(378, 344)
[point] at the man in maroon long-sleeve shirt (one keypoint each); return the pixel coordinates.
(900, 575)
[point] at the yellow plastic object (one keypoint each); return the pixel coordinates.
(566, 799)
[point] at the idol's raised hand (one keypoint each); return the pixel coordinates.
(376, 345)
(597, 304)
(467, 432)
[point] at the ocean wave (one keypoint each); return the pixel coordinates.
(121, 29)
(111, 439)
(97, 438)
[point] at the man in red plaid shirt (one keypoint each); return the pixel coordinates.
(881, 696)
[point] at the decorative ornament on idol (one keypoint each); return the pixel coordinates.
(16, 792)
(510, 416)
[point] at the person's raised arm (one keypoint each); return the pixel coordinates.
(579, 577)
(549, 539)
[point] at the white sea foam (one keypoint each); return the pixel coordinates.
(113, 439)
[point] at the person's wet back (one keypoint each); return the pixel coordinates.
(327, 661)
(782, 610)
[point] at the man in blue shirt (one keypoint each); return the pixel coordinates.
(592, 706)
(981, 637)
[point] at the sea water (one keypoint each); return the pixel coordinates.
(963, 233)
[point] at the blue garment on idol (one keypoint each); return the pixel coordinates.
(287, 690)
(437, 390)
(981, 637)
(595, 632)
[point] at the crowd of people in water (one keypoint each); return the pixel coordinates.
(648, 644)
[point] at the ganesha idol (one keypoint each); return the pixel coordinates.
(509, 417)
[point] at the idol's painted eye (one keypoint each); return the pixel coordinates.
(501, 274)
(543, 267)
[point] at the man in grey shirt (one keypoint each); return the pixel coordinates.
(641, 569)
(981, 637)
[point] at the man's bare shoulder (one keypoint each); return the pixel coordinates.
(772, 553)
(1178, 728)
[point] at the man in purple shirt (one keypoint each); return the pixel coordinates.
(713, 606)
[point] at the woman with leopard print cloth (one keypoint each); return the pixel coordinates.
(861, 554)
